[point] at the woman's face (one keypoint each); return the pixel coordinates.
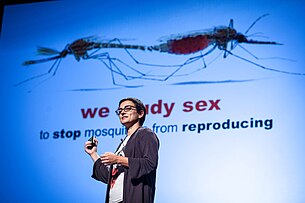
(129, 114)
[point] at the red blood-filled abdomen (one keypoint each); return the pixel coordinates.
(188, 45)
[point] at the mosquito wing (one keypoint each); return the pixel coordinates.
(193, 33)
(46, 51)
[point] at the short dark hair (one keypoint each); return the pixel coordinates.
(139, 105)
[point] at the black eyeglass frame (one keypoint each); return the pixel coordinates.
(126, 108)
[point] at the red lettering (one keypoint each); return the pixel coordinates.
(103, 112)
(158, 106)
(147, 108)
(200, 105)
(214, 104)
(168, 109)
(188, 106)
(89, 112)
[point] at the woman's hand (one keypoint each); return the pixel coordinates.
(92, 151)
(109, 158)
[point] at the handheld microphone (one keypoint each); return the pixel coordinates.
(92, 142)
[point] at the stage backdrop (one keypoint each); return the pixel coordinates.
(230, 119)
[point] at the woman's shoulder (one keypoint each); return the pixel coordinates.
(145, 130)
(146, 133)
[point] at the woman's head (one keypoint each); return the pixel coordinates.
(138, 105)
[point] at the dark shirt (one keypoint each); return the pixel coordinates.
(140, 177)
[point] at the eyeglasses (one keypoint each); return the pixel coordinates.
(125, 109)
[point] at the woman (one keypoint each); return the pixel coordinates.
(135, 160)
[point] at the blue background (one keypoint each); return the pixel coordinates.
(233, 166)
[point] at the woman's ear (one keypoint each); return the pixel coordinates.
(141, 114)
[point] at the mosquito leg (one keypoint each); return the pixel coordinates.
(117, 70)
(55, 64)
(264, 67)
(114, 69)
(93, 55)
(111, 66)
(258, 58)
(192, 60)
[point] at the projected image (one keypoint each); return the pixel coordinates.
(221, 81)
(196, 44)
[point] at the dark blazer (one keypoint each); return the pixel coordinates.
(140, 177)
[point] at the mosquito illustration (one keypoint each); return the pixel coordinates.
(225, 38)
(80, 50)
